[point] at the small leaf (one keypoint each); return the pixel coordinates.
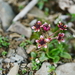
(33, 54)
(43, 57)
(56, 59)
(65, 55)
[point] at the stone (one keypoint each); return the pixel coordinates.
(17, 27)
(44, 69)
(37, 13)
(20, 51)
(14, 70)
(68, 5)
(11, 52)
(6, 14)
(72, 9)
(61, 18)
(17, 59)
(1, 59)
(33, 22)
(63, 4)
(7, 60)
(30, 48)
(29, 65)
(14, 35)
(1, 65)
(66, 69)
(20, 39)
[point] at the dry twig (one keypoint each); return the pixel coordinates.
(25, 10)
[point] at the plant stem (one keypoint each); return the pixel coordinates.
(54, 33)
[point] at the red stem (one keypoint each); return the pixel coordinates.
(54, 33)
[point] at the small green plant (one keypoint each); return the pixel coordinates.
(21, 7)
(35, 61)
(72, 17)
(57, 51)
(17, 74)
(1, 69)
(51, 70)
(24, 43)
(36, 64)
(41, 3)
(50, 47)
(4, 42)
(24, 71)
(4, 53)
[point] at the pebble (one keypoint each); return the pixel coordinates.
(6, 14)
(66, 69)
(44, 69)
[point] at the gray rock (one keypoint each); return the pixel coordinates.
(37, 13)
(1, 59)
(1, 65)
(7, 60)
(72, 9)
(33, 22)
(20, 39)
(11, 52)
(14, 70)
(44, 69)
(19, 28)
(61, 18)
(67, 4)
(17, 58)
(66, 69)
(29, 65)
(14, 35)
(30, 48)
(6, 14)
(20, 51)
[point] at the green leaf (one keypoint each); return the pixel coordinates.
(33, 54)
(43, 57)
(54, 52)
(56, 59)
(1, 69)
(65, 55)
(51, 68)
(41, 4)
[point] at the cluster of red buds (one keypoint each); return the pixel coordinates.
(42, 41)
(39, 25)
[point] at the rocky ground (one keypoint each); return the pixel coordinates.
(15, 54)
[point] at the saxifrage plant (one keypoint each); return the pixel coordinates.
(49, 46)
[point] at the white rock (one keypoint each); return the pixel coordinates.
(11, 52)
(66, 69)
(67, 5)
(14, 70)
(63, 4)
(61, 18)
(44, 69)
(72, 9)
(1, 65)
(6, 14)
(30, 48)
(19, 28)
(20, 51)
(37, 13)
(1, 59)
(17, 58)
(7, 60)
(33, 22)
(29, 65)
